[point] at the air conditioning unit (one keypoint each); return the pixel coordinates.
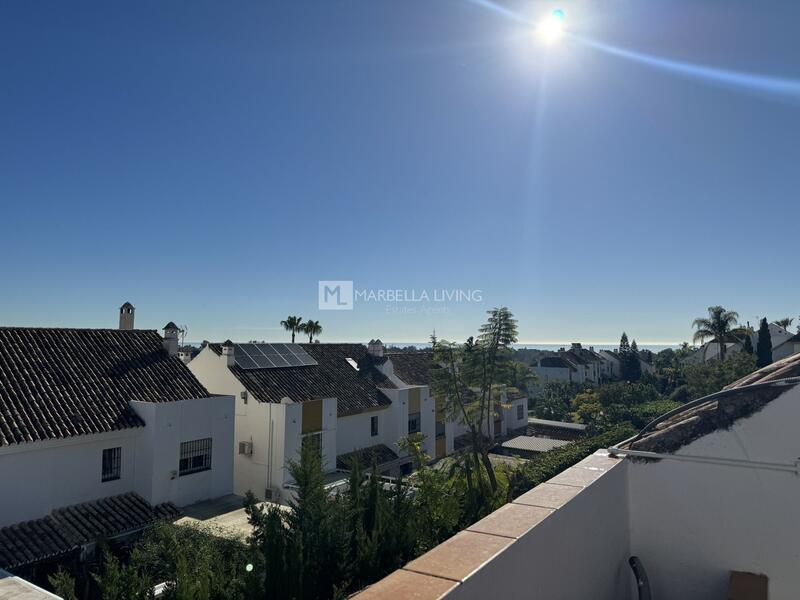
(246, 448)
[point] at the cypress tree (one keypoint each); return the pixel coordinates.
(634, 366)
(748, 344)
(764, 345)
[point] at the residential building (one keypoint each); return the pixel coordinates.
(88, 414)
(703, 502)
(784, 343)
(345, 399)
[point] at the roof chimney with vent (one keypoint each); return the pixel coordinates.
(375, 348)
(227, 352)
(126, 316)
(171, 338)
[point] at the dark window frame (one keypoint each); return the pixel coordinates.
(195, 456)
(418, 417)
(111, 466)
(373, 426)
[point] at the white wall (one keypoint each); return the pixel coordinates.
(692, 523)
(41, 476)
(510, 414)
(158, 449)
(354, 431)
(57, 473)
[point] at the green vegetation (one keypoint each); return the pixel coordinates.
(630, 367)
(720, 326)
(311, 329)
(555, 400)
(468, 387)
(764, 345)
(293, 324)
(703, 379)
(549, 464)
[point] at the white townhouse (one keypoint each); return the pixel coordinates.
(105, 428)
(784, 344)
(412, 369)
(334, 396)
(351, 401)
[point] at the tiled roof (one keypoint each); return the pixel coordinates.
(411, 367)
(721, 410)
(557, 362)
(333, 376)
(67, 529)
(533, 444)
(57, 383)
(380, 453)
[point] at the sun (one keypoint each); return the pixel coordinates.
(551, 28)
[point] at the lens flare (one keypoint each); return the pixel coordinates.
(551, 28)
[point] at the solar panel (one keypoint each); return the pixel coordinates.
(270, 356)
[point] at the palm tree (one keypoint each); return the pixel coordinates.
(720, 325)
(786, 322)
(293, 324)
(311, 329)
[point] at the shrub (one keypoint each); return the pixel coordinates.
(549, 464)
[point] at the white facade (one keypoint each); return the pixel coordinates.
(273, 432)
(52, 474)
(692, 523)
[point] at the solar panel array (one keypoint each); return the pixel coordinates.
(271, 356)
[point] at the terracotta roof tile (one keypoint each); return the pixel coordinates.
(57, 383)
(66, 529)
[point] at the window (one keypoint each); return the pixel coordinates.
(413, 423)
(373, 424)
(195, 457)
(112, 464)
(520, 412)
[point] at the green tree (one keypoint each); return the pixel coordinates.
(786, 322)
(719, 326)
(122, 582)
(293, 324)
(311, 329)
(764, 345)
(614, 403)
(468, 387)
(63, 584)
(555, 400)
(703, 379)
(747, 346)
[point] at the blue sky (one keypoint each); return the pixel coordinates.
(210, 162)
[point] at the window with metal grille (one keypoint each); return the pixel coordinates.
(373, 426)
(112, 464)
(195, 457)
(413, 423)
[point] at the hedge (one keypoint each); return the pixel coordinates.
(549, 464)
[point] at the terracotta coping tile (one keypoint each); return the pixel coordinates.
(579, 476)
(512, 520)
(407, 585)
(460, 556)
(549, 495)
(599, 461)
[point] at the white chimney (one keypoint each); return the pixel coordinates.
(171, 338)
(375, 348)
(227, 352)
(126, 312)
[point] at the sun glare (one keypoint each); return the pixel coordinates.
(551, 28)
